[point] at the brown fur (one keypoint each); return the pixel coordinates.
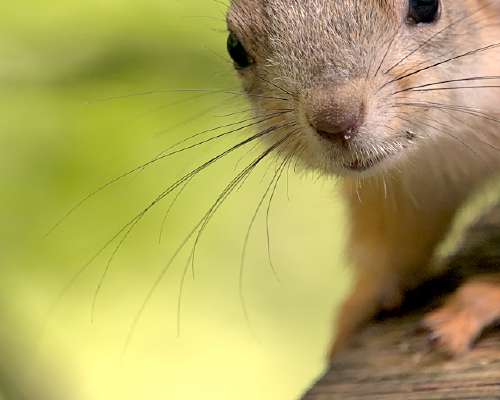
(426, 160)
(458, 323)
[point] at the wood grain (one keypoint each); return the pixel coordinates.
(392, 359)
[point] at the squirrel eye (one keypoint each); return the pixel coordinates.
(237, 52)
(423, 11)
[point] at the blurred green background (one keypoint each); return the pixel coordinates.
(85, 91)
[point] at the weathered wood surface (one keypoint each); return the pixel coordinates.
(391, 361)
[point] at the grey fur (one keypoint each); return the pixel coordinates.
(301, 45)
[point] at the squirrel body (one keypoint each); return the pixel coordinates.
(401, 100)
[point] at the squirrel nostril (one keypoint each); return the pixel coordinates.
(335, 114)
(338, 125)
(344, 132)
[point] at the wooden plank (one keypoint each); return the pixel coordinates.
(391, 360)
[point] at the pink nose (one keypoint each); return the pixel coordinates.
(336, 113)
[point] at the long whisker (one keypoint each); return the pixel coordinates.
(444, 109)
(277, 86)
(458, 38)
(134, 223)
(231, 114)
(458, 88)
(169, 152)
(432, 37)
(202, 228)
(268, 213)
(269, 189)
(251, 110)
(170, 91)
(388, 49)
(138, 217)
(234, 184)
(229, 188)
(446, 132)
(172, 104)
(448, 60)
(240, 179)
(169, 209)
(469, 79)
(193, 117)
(249, 122)
(450, 107)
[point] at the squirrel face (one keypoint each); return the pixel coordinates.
(367, 84)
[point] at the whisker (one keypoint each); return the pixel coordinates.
(452, 136)
(255, 120)
(441, 106)
(293, 96)
(388, 49)
(202, 228)
(448, 60)
(246, 154)
(458, 88)
(250, 110)
(477, 138)
(432, 37)
(228, 190)
(268, 213)
(133, 224)
(469, 79)
(169, 209)
(198, 226)
(152, 204)
(235, 183)
(246, 111)
(169, 152)
(193, 117)
(181, 91)
(270, 188)
(173, 104)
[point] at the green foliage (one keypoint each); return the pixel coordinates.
(84, 96)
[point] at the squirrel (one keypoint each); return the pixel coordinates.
(399, 99)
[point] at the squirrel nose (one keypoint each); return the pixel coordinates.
(335, 113)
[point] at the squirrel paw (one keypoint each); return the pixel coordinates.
(451, 329)
(455, 326)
